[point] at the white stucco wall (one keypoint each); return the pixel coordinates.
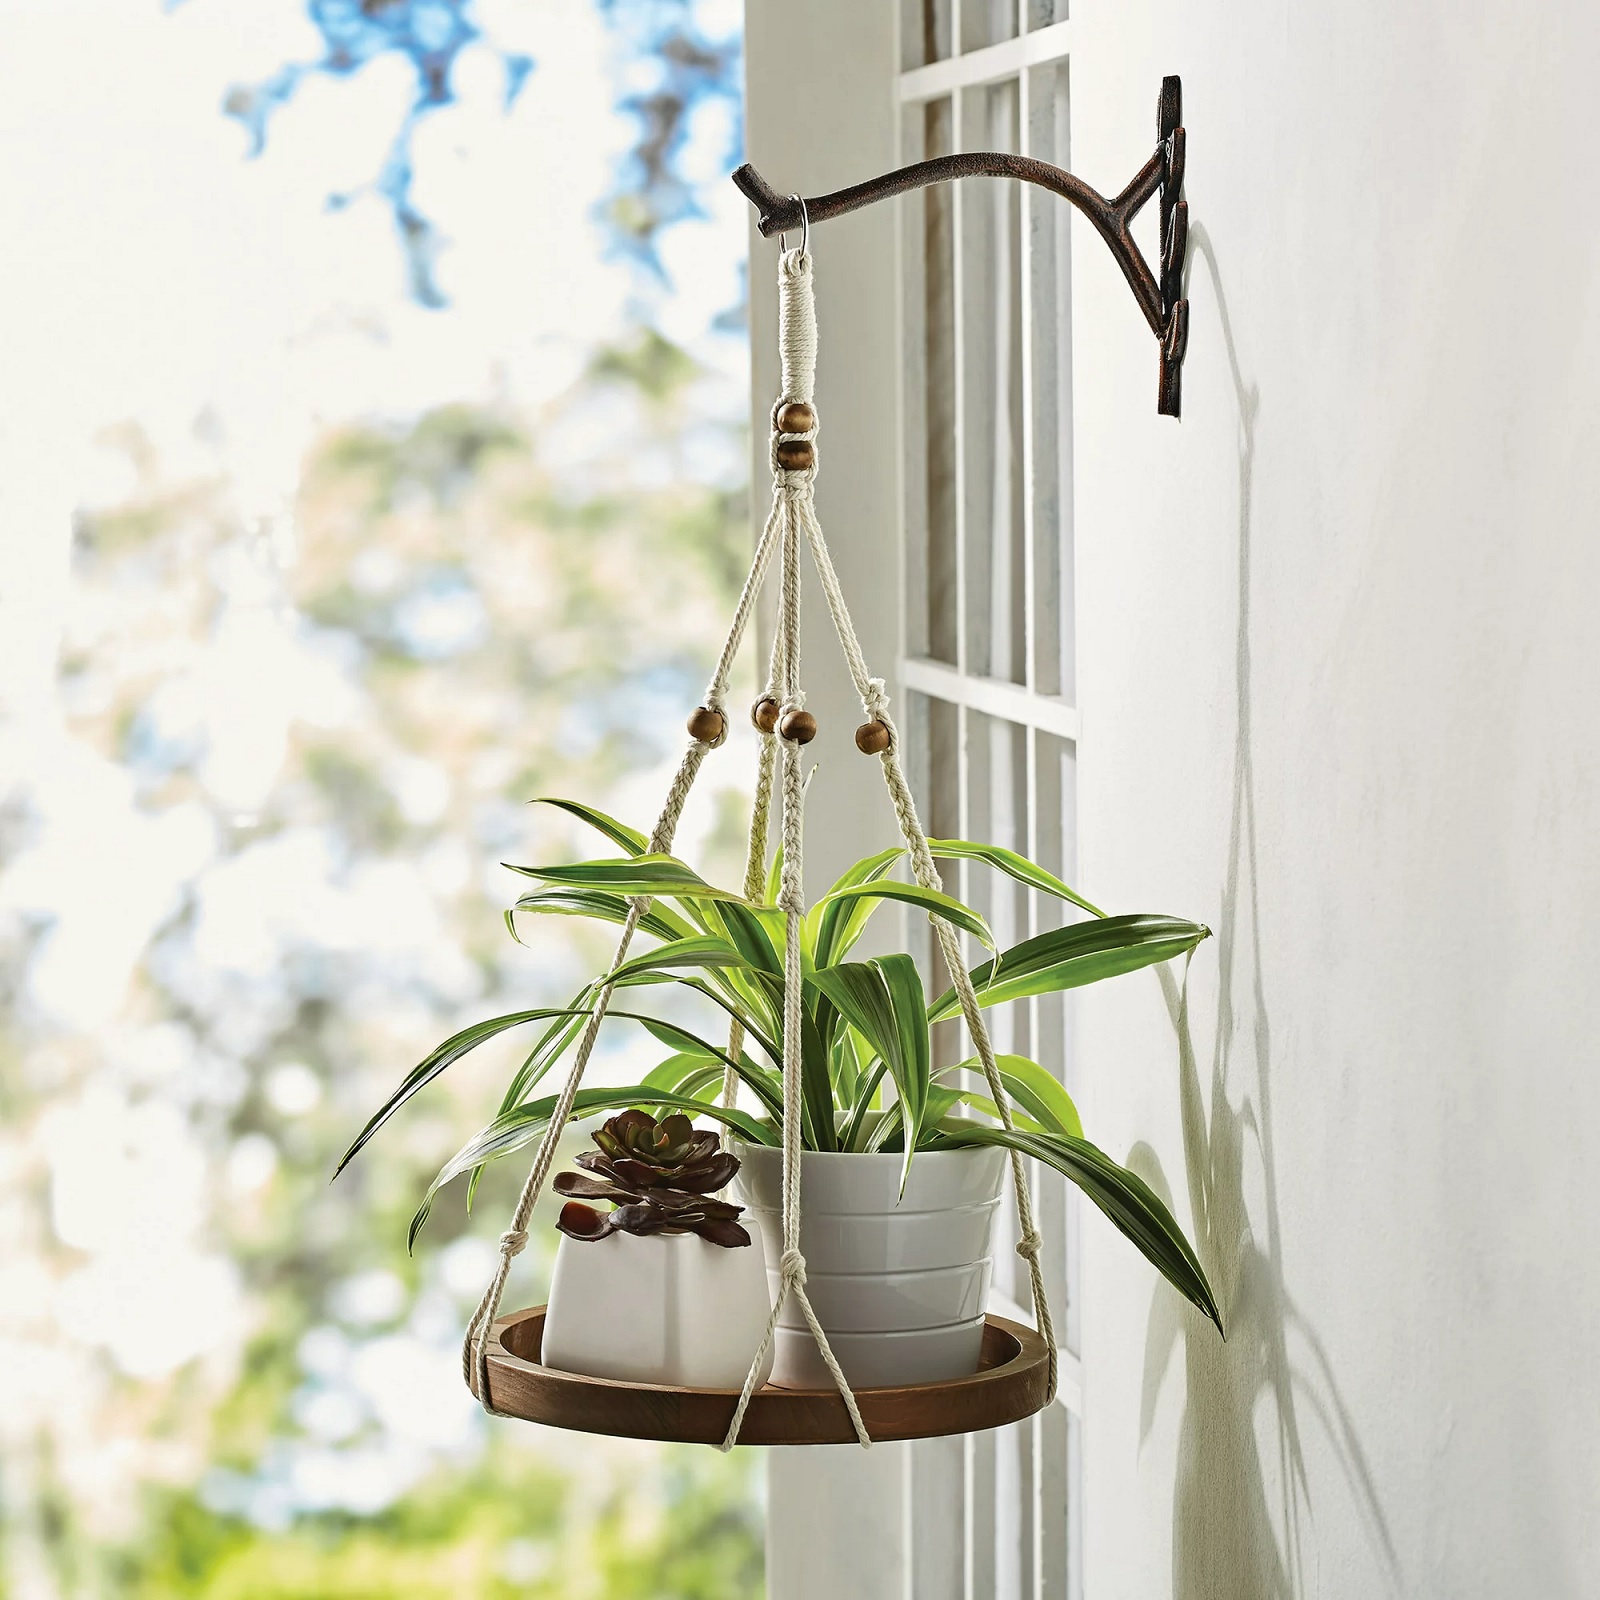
(1337, 682)
(1338, 675)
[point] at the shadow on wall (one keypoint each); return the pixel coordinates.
(1227, 1536)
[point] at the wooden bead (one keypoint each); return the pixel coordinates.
(796, 417)
(872, 738)
(764, 713)
(800, 726)
(706, 725)
(795, 455)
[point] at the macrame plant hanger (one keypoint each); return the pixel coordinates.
(1019, 1371)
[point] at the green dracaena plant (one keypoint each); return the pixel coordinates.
(865, 1024)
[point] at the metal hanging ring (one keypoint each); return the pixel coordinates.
(805, 229)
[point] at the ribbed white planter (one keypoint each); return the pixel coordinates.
(899, 1283)
(666, 1308)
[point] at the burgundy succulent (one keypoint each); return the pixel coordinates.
(660, 1177)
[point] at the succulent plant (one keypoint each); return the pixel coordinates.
(660, 1177)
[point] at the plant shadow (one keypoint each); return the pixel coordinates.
(1232, 1534)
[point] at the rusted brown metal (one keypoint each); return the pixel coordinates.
(1159, 296)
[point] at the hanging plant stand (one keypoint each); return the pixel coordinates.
(1012, 1382)
(1016, 1369)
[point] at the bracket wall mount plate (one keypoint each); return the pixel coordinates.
(1159, 293)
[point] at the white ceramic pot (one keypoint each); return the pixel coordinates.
(898, 1283)
(665, 1308)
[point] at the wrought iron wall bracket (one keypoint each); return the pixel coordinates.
(1159, 293)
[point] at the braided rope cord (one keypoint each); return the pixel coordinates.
(875, 703)
(475, 1347)
(755, 859)
(792, 498)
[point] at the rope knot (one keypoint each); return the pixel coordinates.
(792, 1266)
(876, 699)
(513, 1242)
(1028, 1246)
(792, 481)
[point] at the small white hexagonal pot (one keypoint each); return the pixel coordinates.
(660, 1308)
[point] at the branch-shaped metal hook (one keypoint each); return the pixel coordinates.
(1159, 298)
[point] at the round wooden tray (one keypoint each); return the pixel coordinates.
(1010, 1383)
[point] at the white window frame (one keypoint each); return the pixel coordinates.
(826, 101)
(1048, 1561)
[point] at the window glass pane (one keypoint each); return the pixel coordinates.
(1074, 1509)
(937, 1557)
(987, 22)
(980, 1514)
(1048, 233)
(1050, 1435)
(924, 32)
(937, 435)
(933, 768)
(1014, 1511)
(988, 504)
(1041, 13)
(991, 401)
(997, 813)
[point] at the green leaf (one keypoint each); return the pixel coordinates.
(1033, 1089)
(676, 1036)
(775, 875)
(668, 1074)
(832, 926)
(981, 1102)
(766, 1084)
(890, 1131)
(816, 1085)
(512, 1130)
(554, 1043)
(637, 875)
(684, 1075)
(550, 1049)
(1126, 1199)
(551, 1046)
(694, 1087)
(563, 1033)
(747, 933)
(451, 1051)
(933, 901)
(1013, 865)
(620, 833)
(752, 994)
(884, 1001)
(659, 920)
(866, 1093)
(701, 951)
(844, 1053)
(753, 1024)
(1067, 958)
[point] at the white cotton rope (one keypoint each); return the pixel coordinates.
(792, 495)
(875, 702)
(755, 856)
(475, 1347)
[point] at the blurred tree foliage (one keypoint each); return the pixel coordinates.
(348, 710)
(509, 1531)
(669, 63)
